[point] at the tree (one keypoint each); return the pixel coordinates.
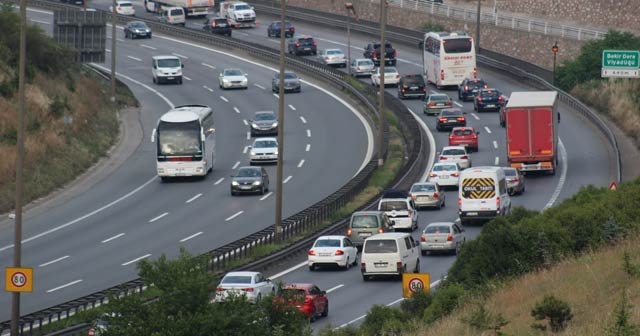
(622, 325)
(557, 312)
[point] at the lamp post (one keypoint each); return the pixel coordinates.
(349, 7)
(279, 172)
(383, 50)
(555, 49)
(478, 29)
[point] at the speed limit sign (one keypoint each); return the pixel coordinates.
(18, 279)
(415, 283)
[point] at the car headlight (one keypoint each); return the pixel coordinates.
(276, 152)
(252, 153)
(254, 125)
(275, 124)
(257, 183)
(226, 81)
(234, 183)
(179, 72)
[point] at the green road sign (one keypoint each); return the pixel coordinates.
(617, 59)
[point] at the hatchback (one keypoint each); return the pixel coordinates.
(427, 194)
(456, 154)
(124, 7)
(362, 67)
(332, 251)
(263, 150)
(515, 181)
(307, 297)
(217, 25)
(469, 88)
(488, 100)
(442, 237)
(464, 136)
(435, 102)
(411, 86)
(450, 118)
(445, 174)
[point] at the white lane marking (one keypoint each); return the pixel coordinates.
(304, 121)
(148, 47)
(274, 41)
(190, 237)
(433, 92)
(495, 144)
(181, 56)
(246, 123)
(248, 135)
(194, 198)
(136, 260)
(107, 50)
(241, 33)
(237, 110)
(219, 181)
(53, 261)
(432, 145)
(208, 65)
(487, 129)
(207, 88)
(260, 86)
(63, 286)
(246, 148)
(457, 104)
(119, 40)
(475, 116)
(57, 228)
(156, 218)
(289, 270)
(497, 161)
(291, 107)
(38, 21)
(334, 288)
(287, 179)
(134, 58)
(276, 95)
(236, 165)
(307, 148)
(301, 163)
(234, 215)
(225, 99)
(265, 196)
(113, 238)
(185, 77)
(563, 176)
(308, 133)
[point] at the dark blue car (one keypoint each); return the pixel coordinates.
(488, 100)
(470, 87)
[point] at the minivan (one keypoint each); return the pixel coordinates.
(174, 16)
(389, 253)
(482, 194)
(364, 224)
(167, 69)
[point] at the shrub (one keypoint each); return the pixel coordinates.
(444, 302)
(416, 304)
(557, 312)
(482, 320)
(622, 325)
(382, 320)
(431, 26)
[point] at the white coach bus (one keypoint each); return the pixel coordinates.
(448, 58)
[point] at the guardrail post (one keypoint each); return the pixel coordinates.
(580, 34)
(545, 28)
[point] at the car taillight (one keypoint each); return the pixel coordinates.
(431, 104)
(307, 300)
(312, 252)
(449, 237)
(443, 157)
(460, 118)
(395, 53)
(315, 44)
(292, 29)
(455, 174)
(399, 265)
(374, 55)
(327, 58)
(442, 119)
(441, 74)
(423, 238)
(432, 175)
(219, 289)
(349, 233)
(297, 44)
(459, 201)
(410, 214)
(500, 98)
(515, 180)
(464, 157)
(466, 88)
(92, 331)
(398, 76)
(447, 103)
(424, 89)
(485, 86)
(380, 230)
(435, 195)
(249, 289)
(403, 89)
(413, 197)
(339, 252)
(498, 204)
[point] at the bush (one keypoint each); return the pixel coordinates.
(416, 304)
(445, 301)
(382, 320)
(557, 312)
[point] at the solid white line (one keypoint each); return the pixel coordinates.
(234, 215)
(185, 77)
(208, 65)
(38, 21)
(307, 148)
(225, 99)
(181, 56)
(136, 260)
(563, 176)
(334, 288)
(207, 88)
(457, 104)
(308, 133)
(112, 238)
(495, 144)
(301, 163)
(237, 110)
(487, 129)
(291, 107)
(194, 198)
(287, 179)
(139, 83)
(191, 236)
(475, 116)
(260, 86)
(155, 219)
(148, 47)
(219, 181)
(63, 286)
(53, 261)
(248, 135)
(432, 145)
(265, 196)
(107, 50)
(497, 161)
(236, 165)
(134, 58)
(246, 148)
(394, 302)
(304, 121)
(119, 40)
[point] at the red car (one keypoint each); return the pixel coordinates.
(464, 136)
(308, 298)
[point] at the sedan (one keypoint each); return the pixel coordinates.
(332, 57)
(456, 154)
(264, 123)
(464, 136)
(391, 77)
(442, 237)
(445, 174)
(252, 285)
(450, 118)
(135, 29)
(233, 78)
(263, 150)
(433, 103)
(488, 100)
(427, 194)
(307, 297)
(515, 181)
(332, 251)
(250, 180)
(291, 82)
(124, 7)
(362, 67)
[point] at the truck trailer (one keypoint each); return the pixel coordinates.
(532, 134)
(191, 7)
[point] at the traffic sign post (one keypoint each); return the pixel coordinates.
(620, 63)
(18, 279)
(415, 282)
(613, 186)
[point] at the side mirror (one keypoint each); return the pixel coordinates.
(182, 65)
(211, 130)
(421, 44)
(477, 132)
(464, 112)
(154, 66)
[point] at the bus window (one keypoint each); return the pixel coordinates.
(456, 46)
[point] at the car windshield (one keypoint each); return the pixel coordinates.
(232, 72)
(393, 205)
(367, 62)
(510, 172)
(265, 144)
(438, 168)
(138, 25)
(453, 151)
(451, 113)
(439, 98)
(334, 52)
(489, 93)
(327, 243)
(169, 63)
(248, 172)
(236, 279)
(243, 7)
(423, 188)
(265, 116)
(463, 132)
(221, 21)
(380, 246)
(307, 40)
(437, 229)
(364, 221)
(287, 75)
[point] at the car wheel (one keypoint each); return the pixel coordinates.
(312, 268)
(325, 312)
(233, 193)
(312, 318)
(459, 95)
(366, 277)
(262, 190)
(423, 252)
(180, 81)
(268, 33)
(444, 203)
(154, 80)
(149, 35)
(355, 260)
(456, 251)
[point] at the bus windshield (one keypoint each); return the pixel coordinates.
(179, 138)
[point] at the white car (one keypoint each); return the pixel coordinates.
(362, 67)
(442, 236)
(391, 76)
(332, 251)
(445, 174)
(124, 7)
(253, 285)
(233, 78)
(263, 150)
(332, 57)
(456, 154)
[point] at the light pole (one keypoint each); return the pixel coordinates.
(478, 29)
(555, 49)
(349, 7)
(278, 225)
(113, 56)
(383, 51)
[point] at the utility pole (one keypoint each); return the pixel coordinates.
(278, 225)
(349, 7)
(113, 56)
(478, 29)
(383, 51)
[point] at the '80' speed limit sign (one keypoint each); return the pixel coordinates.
(18, 279)
(415, 282)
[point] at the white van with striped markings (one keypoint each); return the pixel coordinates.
(482, 194)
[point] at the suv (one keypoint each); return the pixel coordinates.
(217, 25)
(469, 88)
(274, 29)
(399, 207)
(303, 45)
(412, 86)
(372, 51)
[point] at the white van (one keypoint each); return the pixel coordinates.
(389, 253)
(482, 194)
(174, 16)
(167, 69)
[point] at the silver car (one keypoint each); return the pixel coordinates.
(427, 194)
(515, 181)
(233, 78)
(332, 57)
(442, 237)
(291, 82)
(362, 67)
(263, 150)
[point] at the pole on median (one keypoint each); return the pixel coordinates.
(383, 50)
(279, 169)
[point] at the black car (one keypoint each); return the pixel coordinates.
(450, 118)
(469, 87)
(291, 82)
(412, 86)
(274, 29)
(264, 123)
(217, 25)
(135, 29)
(303, 45)
(488, 100)
(250, 180)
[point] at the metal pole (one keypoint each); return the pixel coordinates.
(555, 49)
(383, 50)
(113, 56)
(478, 29)
(279, 172)
(348, 40)
(17, 250)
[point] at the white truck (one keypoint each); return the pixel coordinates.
(241, 14)
(191, 7)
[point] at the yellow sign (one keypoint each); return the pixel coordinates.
(18, 279)
(415, 282)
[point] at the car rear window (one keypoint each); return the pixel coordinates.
(453, 152)
(175, 12)
(437, 229)
(364, 222)
(462, 132)
(451, 113)
(509, 172)
(327, 243)
(439, 98)
(476, 83)
(393, 205)
(444, 168)
(413, 80)
(221, 21)
(423, 188)
(368, 62)
(380, 246)
(240, 279)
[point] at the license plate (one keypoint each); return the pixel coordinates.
(474, 91)
(245, 187)
(307, 48)
(444, 176)
(491, 105)
(423, 198)
(451, 121)
(380, 265)
(414, 88)
(364, 234)
(169, 77)
(325, 254)
(472, 213)
(440, 104)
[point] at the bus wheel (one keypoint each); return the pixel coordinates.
(164, 178)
